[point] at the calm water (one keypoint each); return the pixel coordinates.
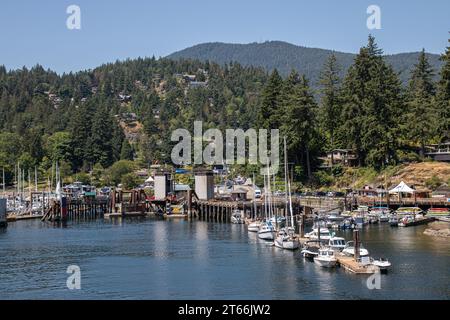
(152, 259)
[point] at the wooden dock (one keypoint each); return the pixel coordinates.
(350, 265)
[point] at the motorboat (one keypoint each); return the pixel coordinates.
(325, 258)
(360, 221)
(310, 249)
(381, 263)
(314, 235)
(266, 231)
(403, 221)
(393, 220)
(336, 243)
(406, 211)
(286, 239)
(384, 217)
(237, 217)
(373, 218)
(349, 250)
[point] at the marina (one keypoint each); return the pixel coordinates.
(152, 258)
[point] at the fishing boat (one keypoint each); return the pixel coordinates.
(237, 217)
(325, 258)
(349, 250)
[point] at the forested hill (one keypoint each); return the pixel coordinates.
(285, 57)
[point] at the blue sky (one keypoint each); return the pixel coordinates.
(35, 31)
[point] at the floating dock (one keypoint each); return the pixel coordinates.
(349, 264)
(124, 215)
(417, 222)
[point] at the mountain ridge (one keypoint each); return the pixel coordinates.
(285, 56)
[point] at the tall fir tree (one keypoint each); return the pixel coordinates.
(420, 113)
(299, 122)
(330, 103)
(443, 99)
(372, 103)
(268, 116)
(99, 142)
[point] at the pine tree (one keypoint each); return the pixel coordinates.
(330, 101)
(299, 122)
(99, 142)
(268, 117)
(127, 151)
(420, 115)
(371, 104)
(443, 99)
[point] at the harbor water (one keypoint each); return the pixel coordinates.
(180, 259)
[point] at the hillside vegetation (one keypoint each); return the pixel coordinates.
(284, 57)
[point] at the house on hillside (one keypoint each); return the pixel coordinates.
(439, 152)
(344, 157)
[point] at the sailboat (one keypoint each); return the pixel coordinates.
(286, 238)
(254, 225)
(266, 229)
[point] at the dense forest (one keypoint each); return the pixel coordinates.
(94, 122)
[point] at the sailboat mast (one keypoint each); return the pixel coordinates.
(254, 197)
(4, 182)
(285, 177)
(35, 180)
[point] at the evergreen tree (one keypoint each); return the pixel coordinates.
(268, 116)
(330, 101)
(299, 122)
(443, 99)
(420, 115)
(99, 142)
(127, 151)
(372, 102)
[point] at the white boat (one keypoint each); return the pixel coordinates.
(310, 249)
(314, 235)
(280, 221)
(349, 250)
(237, 217)
(381, 263)
(254, 226)
(325, 258)
(286, 239)
(266, 231)
(384, 217)
(336, 243)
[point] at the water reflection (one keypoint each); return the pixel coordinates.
(180, 259)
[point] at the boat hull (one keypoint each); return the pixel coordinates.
(325, 263)
(266, 235)
(288, 245)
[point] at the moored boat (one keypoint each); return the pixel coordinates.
(349, 250)
(325, 258)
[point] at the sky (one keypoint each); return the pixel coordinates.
(33, 32)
